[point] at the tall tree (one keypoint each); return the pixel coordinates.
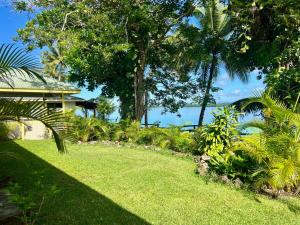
(211, 38)
(109, 43)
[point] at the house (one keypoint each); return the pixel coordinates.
(56, 95)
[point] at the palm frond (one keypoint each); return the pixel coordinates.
(277, 109)
(254, 145)
(14, 61)
(244, 105)
(255, 124)
(55, 121)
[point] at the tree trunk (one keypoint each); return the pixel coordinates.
(126, 105)
(207, 91)
(139, 89)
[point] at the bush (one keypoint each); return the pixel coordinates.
(89, 129)
(218, 136)
(216, 141)
(276, 151)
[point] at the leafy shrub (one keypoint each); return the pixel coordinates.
(217, 137)
(89, 129)
(173, 138)
(170, 138)
(104, 108)
(276, 150)
(125, 130)
(216, 140)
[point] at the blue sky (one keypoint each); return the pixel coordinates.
(232, 89)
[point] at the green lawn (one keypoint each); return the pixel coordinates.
(112, 185)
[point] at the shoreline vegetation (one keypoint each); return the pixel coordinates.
(197, 105)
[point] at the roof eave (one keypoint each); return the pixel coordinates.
(52, 91)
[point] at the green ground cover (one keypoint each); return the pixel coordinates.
(121, 185)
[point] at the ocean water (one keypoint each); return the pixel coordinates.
(188, 116)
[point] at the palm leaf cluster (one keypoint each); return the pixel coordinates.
(277, 148)
(215, 48)
(55, 121)
(54, 63)
(14, 61)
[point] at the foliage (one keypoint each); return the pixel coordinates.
(104, 108)
(268, 34)
(30, 211)
(54, 63)
(207, 46)
(218, 136)
(169, 138)
(12, 61)
(277, 149)
(89, 129)
(216, 141)
(92, 129)
(4, 132)
(108, 43)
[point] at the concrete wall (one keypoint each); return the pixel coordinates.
(30, 130)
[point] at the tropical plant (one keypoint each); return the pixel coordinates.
(261, 31)
(89, 129)
(175, 139)
(4, 132)
(216, 141)
(218, 135)
(54, 64)
(15, 61)
(277, 149)
(212, 41)
(109, 44)
(104, 108)
(168, 138)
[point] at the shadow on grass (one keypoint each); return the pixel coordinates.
(75, 204)
(292, 206)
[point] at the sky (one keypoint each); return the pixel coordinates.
(232, 90)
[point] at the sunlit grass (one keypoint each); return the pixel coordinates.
(121, 185)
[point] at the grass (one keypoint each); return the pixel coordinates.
(110, 185)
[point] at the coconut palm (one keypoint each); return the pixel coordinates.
(214, 32)
(277, 148)
(54, 63)
(15, 61)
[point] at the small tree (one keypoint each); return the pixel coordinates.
(104, 108)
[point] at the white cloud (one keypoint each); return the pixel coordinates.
(222, 83)
(237, 91)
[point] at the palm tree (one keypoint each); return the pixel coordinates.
(15, 61)
(277, 148)
(54, 62)
(214, 43)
